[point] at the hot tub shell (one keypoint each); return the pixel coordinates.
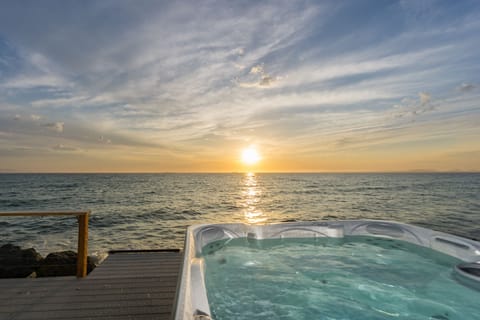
(192, 301)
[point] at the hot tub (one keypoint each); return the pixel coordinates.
(359, 269)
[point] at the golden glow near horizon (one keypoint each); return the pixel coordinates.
(250, 156)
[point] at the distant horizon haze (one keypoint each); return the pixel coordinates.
(239, 172)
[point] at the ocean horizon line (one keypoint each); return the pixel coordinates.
(245, 172)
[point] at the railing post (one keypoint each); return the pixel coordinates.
(82, 251)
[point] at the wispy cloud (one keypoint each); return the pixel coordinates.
(33, 81)
(55, 126)
(61, 147)
(257, 78)
(424, 98)
(466, 87)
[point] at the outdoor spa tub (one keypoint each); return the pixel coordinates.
(358, 269)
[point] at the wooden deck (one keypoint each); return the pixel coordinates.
(125, 286)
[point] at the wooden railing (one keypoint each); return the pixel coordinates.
(82, 249)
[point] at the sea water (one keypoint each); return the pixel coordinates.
(361, 278)
(146, 211)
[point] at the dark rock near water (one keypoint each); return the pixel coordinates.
(20, 263)
(62, 263)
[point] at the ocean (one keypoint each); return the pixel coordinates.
(152, 211)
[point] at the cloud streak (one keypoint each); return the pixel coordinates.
(55, 126)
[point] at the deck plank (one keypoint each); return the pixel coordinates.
(125, 286)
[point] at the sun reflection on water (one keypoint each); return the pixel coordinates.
(251, 194)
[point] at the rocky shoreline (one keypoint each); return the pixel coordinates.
(16, 262)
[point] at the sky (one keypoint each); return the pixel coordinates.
(187, 86)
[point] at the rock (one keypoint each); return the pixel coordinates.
(32, 275)
(62, 263)
(18, 263)
(58, 264)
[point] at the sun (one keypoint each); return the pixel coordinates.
(250, 156)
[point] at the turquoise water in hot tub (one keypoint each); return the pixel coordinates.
(351, 278)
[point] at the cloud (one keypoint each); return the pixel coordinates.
(257, 78)
(61, 102)
(104, 140)
(32, 81)
(35, 117)
(55, 126)
(466, 87)
(424, 98)
(263, 82)
(266, 81)
(413, 107)
(257, 69)
(61, 147)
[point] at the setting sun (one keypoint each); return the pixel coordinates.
(250, 156)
